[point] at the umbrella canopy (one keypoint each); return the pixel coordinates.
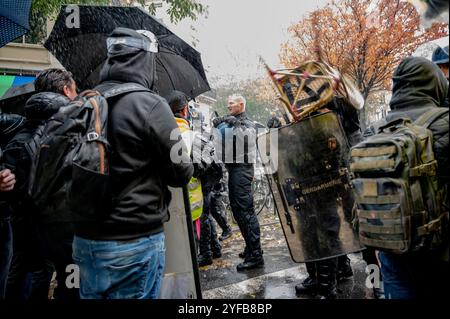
(14, 99)
(82, 50)
(14, 16)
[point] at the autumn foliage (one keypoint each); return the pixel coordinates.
(364, 39)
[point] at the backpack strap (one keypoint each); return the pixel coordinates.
(427, 118)
(125, 88)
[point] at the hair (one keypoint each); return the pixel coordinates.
(238, 98)
(53, 80)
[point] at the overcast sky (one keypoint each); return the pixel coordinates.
(236, 32)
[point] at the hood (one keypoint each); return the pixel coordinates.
(418, 82)
(129, 64)
(43, 105)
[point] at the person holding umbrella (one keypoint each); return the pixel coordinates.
(122, 256)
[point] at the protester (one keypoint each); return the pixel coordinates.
(418, 86)
(9, 126)
(123, 254)
(7, 181)
(42, 239)
(208, 172)
(240, 176)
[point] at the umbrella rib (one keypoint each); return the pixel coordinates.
(167, 72)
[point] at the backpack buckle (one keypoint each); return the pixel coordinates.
(92, 136)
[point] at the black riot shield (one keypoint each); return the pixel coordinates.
(311, 188)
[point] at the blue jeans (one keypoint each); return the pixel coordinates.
(412, 276)
(120, 269)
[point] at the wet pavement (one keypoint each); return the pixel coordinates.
(279, 275)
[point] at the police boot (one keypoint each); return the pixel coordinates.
(252, 262)
(204, 260)
(326, 277)
(226, 234)
(216, 250)
(344, 269)
(309, 285)
(327, 287)
(244, 253)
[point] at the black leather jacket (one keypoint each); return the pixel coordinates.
(10, 124)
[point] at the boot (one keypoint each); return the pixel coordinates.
(216, 254)
(251, 263)
(204, 260)
(329, 295)
(344, 270)
(326, 277)
(226, 234)
(308, 286)
(244, 253)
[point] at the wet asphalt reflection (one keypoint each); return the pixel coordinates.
(279, 275)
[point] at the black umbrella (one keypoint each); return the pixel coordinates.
(83, 50)
(14, 99)
(14, 16)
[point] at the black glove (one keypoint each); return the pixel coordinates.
(217, 121)
(230, 120)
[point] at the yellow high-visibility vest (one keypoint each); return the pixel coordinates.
(194, 186)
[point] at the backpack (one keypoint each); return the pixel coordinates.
(19, 152)
(399, 206)
(70, 170)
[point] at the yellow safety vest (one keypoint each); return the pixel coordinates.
(194, 186)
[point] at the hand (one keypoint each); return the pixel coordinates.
(230, 120)
(217, 121)
(7, 180)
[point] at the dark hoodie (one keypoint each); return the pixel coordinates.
(419, 85)
(139, 128)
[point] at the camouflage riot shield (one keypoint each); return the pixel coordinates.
(181, 277)
(311, 188)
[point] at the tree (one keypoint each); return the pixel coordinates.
(365, 39)
(177, 9)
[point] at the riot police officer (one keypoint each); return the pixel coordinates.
(323, 275)
(238, 137)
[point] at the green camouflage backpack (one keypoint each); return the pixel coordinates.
(399, 206)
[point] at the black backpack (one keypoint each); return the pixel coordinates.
(70, 171)
(20, 151)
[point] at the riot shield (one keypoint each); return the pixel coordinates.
(181, 277)
(311, 188)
